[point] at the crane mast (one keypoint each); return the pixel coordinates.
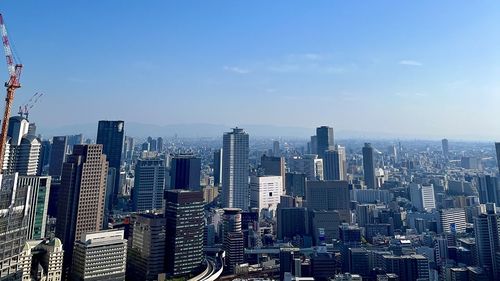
(11, 85)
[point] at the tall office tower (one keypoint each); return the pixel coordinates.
(334, 165)
(45, 256)
(488, 189)
(295, 184)
(324, 136)
(39, 187)
(422, 197)
(235, 167)
(185, 222)
(369, 166)
(149, 183)
(185, 172)
(309, 164)
(217, 167)
(111, 135)
(153, 146)
(486, 231)
(273, 166)
(497, 148)
(22, 150)
(444, 145)
(145, 146)
(128, 149)
(14, 220)
(329, 195)
(74, 140)
(81, 196)
(43, 162)
(313, 148)
(57, 156)
(452, 220)
(265, 192)
(100, 255)
(233, 242)
(276, 149)
(159, 144)
(146, 247)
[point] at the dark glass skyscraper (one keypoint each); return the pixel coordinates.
(149, 184)
(185, 223)
(497, 148)
(111, 134)
(185, 172)
(218, 167)
(324, 139)
(369, 166)
(57, 155)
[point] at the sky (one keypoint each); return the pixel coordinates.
(412, 68)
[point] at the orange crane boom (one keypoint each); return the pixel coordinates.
(11, 85)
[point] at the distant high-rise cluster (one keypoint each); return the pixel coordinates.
(173, 208)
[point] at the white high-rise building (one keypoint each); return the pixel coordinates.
(44, 255)
(265, 192)
(235, 169)
(22, 150)
(100, 256)
(422, 197)
(452, 220)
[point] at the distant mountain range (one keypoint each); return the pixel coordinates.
(195, 130)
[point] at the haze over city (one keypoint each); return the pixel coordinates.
(379, 68)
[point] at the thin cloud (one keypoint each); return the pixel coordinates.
(235, 69)
(410, 62)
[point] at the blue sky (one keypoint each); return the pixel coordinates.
(418, 68)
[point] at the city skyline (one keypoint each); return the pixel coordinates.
(416, 78)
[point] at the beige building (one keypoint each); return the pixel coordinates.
(42, 260)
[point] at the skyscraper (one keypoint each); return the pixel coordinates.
(111, 135)
(329, 195)
(149, 183)
(81, 196)
(313, 147)
(22, 150)
(295, 184)
(309, 164)
(217, 167)
(57, 156)
(235, 167)
(422, 197)
(185, 223)
(444, 144)
(233, 242)
(39, 200)
(273, 166)
(44, 157)
(146, 247)
(334, 165)
(276, 148)
(369, 166)
(265, 192)
(486, 231)
(325, 142)
(497, 148)
(185, 172)
(14, 220)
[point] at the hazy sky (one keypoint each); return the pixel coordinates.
(429, 68)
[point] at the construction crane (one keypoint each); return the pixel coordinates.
(11, 85)
(24, 110)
